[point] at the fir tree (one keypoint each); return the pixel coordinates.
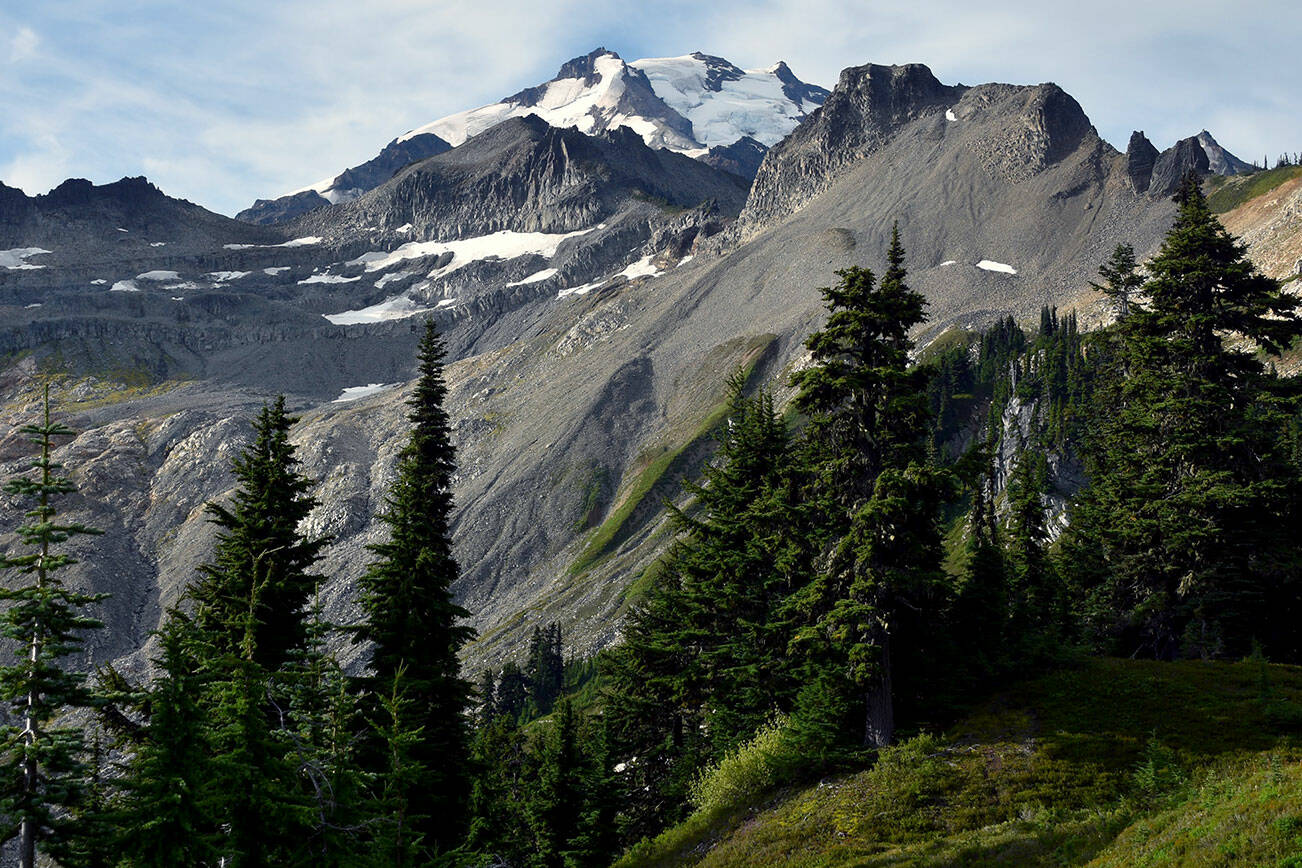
(499, 826)
(42, 767)
(166, 812)
(1180, 542)
(868, 428)
(259, 536)
(1122, 280)
(557, 808)
(411, 620)
(397, 836)
(512, 692)
(320, 708)
(546, 667)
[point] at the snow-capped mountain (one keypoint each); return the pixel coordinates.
(695, 104)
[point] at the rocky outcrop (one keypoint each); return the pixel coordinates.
(267, 212)
(867, 106)
(79, 221)
(743, 157)
(350, 183)
(1185, 156)
(1219, 160)
(526, 176)
(1141, 156)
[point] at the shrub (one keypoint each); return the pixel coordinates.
(745, 773)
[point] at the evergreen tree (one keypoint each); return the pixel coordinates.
(411, 620)
(397, 836)
(704, 657)
(487, 695)
(42, 767)
(259, 536)
(498, 825)
(546, 667)
(1036, 601)
(265, 817)
(1122, 280)
(556, 811)
(980, 621)
(166, 812)
(320, 710)
(1180, 544)
(868, 428)
(511, 691)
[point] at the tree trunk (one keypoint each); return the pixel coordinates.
(879, 718)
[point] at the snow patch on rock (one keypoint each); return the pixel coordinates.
(354, 393)
(17, 257)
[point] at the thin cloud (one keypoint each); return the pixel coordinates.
(224, 104)
(23, 45)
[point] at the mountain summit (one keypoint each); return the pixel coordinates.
(698, 105)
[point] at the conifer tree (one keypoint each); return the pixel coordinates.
(981, 617)
(1191, 490)
(397, 839)
(42, 761)
(1122, 280)
(320, 708)
(557, 808)
(868, 427)
(1036, 601)
(498, 825)
(511, 691)
(258, 535)
(546, 667)
(166, 813)
(264, 815)
(411, 620)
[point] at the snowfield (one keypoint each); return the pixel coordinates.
(501, 245)
(536, 277)
(991, 265)
(398, 307)
(306, 241)
(754, 105)
(353, 393)
(328, 278)
(17, 257)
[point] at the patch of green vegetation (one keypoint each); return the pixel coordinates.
(666, 463)
(945, 341)
(1091, 761)
(594, 487)
(1244, 812)
(106, 393)
(1235, 192)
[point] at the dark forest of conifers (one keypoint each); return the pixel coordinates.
(912, 532)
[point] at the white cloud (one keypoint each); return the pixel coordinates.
(23, 44)
(221, 105)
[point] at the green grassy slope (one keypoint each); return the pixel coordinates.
(1233, 192)
(1119, 762)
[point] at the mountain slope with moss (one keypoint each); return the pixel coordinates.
(1106, 762)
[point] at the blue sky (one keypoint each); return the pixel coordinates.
(224, 101)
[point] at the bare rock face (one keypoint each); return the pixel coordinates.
(1032, 129)
(348, 184)
(743, 157)
(1185, 156)
(868, 104)
(525, 176)
(1140, 159)
(266, 212)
